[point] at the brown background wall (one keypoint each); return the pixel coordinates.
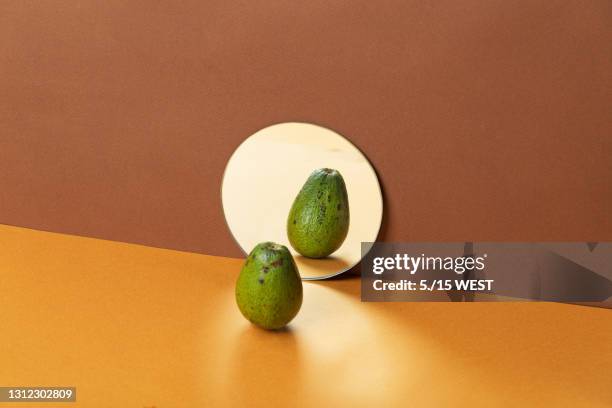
(486, 120)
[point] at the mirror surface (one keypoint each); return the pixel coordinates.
(265, 174)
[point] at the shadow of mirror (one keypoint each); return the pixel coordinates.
(320, 268)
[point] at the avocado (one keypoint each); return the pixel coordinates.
(269, 288)
(319, 217)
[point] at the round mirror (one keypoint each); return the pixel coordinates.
(268, 170)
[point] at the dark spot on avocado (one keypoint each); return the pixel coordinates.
(338, 207)
(328, 198)
(265, 269)
(278, 262)
(322, 211)
(293, 222)
(261, 281)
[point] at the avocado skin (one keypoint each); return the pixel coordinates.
(319, 217)
(269, 288)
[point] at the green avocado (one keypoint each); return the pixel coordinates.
(269, 288)
(319, 217)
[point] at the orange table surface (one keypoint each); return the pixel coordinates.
(143, 327)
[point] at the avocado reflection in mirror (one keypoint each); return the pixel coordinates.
(318, 221)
